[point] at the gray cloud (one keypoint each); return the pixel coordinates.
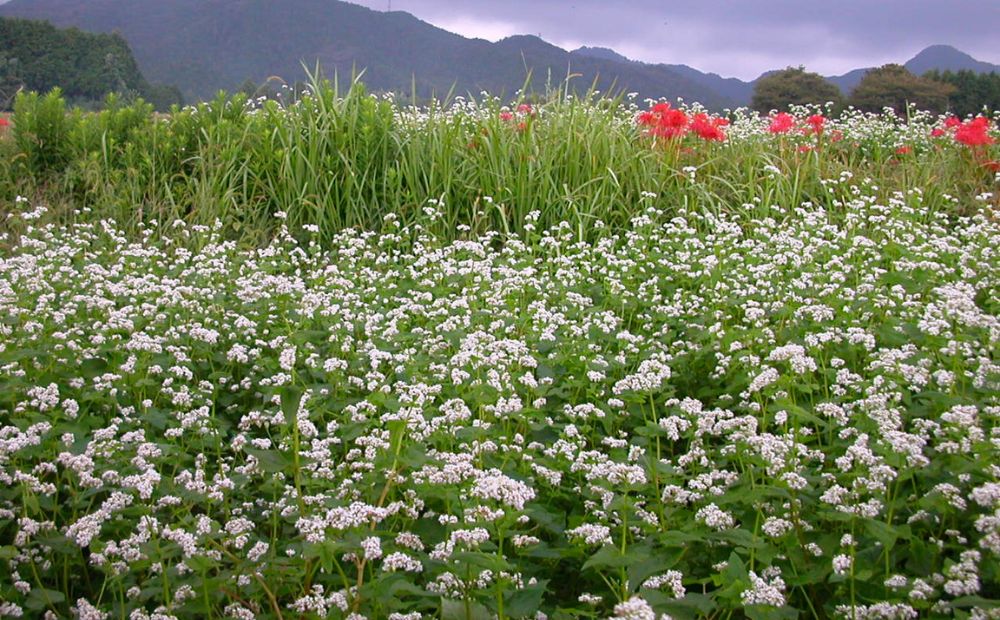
(740, 39)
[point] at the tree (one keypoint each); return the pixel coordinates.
(10, 80)
(973, 91)
(893, 86)
(793, 86)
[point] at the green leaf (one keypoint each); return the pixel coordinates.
(976, 601)
(40, 598)
(766, 612)
(606, 557)
(271, 461)
(463, 610)
(290, 397)
(526, 601)
(886, 534)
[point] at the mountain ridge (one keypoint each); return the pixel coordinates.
(208, 45)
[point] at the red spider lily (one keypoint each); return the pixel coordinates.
(975, 132)
(526, 109)
(903, 150)
(816, 123)
(805, 148)
(782, 122)
(992, 165)
(952, 122)
(937, 132)
(4, 122)
(836, 135)
(709, 128)
(664, 121)
(506, 116)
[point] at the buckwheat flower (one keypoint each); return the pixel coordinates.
(85, 611)
(636, 608)
(715, 518)
(238, 612)
(764, 592)
(503, 489)
(896, 582)
(673, 579)
(776, 527)
(372, 547)
(590, 599)
(842, 564)
(398, 561)
(523, 540)
(964, 576)
(287, 358)
(258, 551)
(763, 379)
(409, 540)
(591, 533)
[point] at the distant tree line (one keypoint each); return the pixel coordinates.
(37, 56)
(889, 86)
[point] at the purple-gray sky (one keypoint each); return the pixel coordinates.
(732, 38)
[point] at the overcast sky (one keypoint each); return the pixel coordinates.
(739, 39)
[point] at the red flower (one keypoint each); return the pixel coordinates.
(664, 121)
(506, 116)
(974, 132)
(805, 148)
(709, 128)
(937, 132)
(903, 150)
(992, 165)
(4, 122)
(816, 123)
(525, 108)
(951, 122)
(782, 122)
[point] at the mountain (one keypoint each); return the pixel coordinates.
(734, 90)
(947, 58)
(940, 57)
(603, 53)
(86, 66)
(207, 45)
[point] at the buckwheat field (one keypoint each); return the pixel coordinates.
(573, 358)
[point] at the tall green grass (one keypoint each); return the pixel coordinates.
(342, 158)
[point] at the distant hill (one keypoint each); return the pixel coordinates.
(947, 58)
(940, 57)
(206, 45)
(86, 66)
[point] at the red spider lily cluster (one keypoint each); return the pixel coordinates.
(521, 114)
(783, 122)
(814, 125)
(4, 123)
(974, 132)
(664, 121)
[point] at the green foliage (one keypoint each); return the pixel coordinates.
(792, 86)
(892, 86)
(84, 66)
(974, 93)
(338, 158)
(42, 132)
